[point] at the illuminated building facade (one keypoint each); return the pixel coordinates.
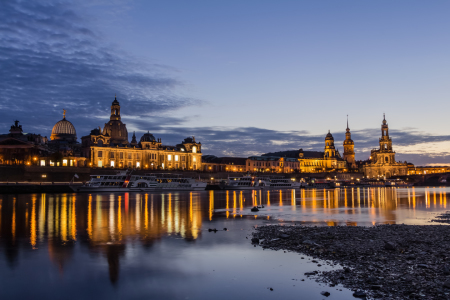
(314, 161)
(382, 161)
(110, 148)
(63, 145)
(211, 163)
(18, 148)
(273, 164)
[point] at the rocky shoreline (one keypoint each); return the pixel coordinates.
(379, 262)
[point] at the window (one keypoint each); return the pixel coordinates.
(52, 163)
(99, 154)
(138, 164)
(42, 163)
(99, 164)
(129, 164)
(112, 154)
(169, 157)
(183, 158)
(176, 157)
(194, 149)
(71, 163)
(112, 163)
(121, 155)
(44, 176)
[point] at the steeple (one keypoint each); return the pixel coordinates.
(133, 139)
(64, 114)
(115, 110)
(349, 146)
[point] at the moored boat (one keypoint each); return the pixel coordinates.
(124, 181)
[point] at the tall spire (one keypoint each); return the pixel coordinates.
(347, 122)
(64, 113)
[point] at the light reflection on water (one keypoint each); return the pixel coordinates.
(126, 243)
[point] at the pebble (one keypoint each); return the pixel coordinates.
(379, 262)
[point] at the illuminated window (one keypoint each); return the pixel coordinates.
(194, 159)
(176, 157)
(138, 164)
(162, 165)
(112, 163)
(42, 163)
(99, 164)
(169, 157)
(52, 163)
(44, 176)
(64, 163)
(194, 149)
(71, 163)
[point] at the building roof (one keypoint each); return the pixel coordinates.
(64, 127)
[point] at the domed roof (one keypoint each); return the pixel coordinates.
(147, 137)
(64, 127)
(329, 136)
(64, 130)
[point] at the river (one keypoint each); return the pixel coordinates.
(158, 246)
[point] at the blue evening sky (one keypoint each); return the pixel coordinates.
(244, 77)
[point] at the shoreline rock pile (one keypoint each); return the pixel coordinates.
(443, 218)
(380, 262)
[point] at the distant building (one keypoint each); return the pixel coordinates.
(427, 170)
(328, 160)
(18, 148)
(382, 161)
(64, 147)
(272, 164)
(211, 163)
(110, 148)
(349, 149)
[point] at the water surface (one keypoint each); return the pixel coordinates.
(157, 246)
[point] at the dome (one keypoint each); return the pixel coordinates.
(64, 130)
(329, 136)
(64, 127)
(148, 137)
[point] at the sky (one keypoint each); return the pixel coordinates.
(243, 77)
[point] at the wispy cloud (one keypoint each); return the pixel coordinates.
(50, 60)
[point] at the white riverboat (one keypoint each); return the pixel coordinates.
(277, 183)
(126, 182)
(248, 182)
(240, 183)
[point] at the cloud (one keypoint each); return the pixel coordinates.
(422, 149)
(51, 60)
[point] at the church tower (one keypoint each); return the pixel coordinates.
(385, 140)
(330, 150)
(349, 147)
(115, 129)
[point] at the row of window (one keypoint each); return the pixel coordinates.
(152, 156)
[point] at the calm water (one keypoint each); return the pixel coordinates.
(157, 246)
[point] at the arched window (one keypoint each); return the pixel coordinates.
(386, 159)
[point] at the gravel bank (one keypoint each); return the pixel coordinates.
(383, 262)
